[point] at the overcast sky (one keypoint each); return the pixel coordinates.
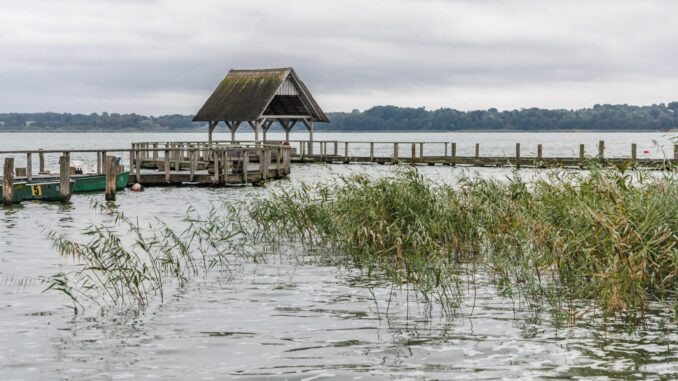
(166, 56)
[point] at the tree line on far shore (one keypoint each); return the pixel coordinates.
(659, 117)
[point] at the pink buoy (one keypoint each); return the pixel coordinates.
(137, 188)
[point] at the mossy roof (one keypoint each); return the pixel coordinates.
(245, 94)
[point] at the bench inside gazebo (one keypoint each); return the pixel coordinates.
(261, 98)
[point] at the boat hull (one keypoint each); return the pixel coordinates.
(43, 191)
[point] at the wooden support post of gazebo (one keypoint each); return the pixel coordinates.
(261, 98)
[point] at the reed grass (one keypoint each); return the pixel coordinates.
(127, 264)
(571, 241)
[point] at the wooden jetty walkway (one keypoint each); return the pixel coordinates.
(445, 153)
(172, 165)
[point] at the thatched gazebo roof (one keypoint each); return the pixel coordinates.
(260, 98)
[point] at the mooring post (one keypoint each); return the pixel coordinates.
(29, 167)
(226, 164)
(41, 161)
(371, 152)
(131, 158)
(421, 152)
(453, 148)
(346, 152)
(8, 181)
(633, 152)
(336, 148)
(414, 153)
(137, 169)
(517, 155)
(65, 178)
(217, 169)
(167, 166)
(539, 152)
(395, 152)
(445, 156)
(675, 152)
(245, 164)
(155, 151)
(110, 169)
(192, 153)
(477, 153)
(581, 153)
(601, 149)
(278, 154)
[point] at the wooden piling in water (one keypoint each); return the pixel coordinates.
(371, 152)
(601, 149)
(453, 153)
(581, 153)
(29, 167)
(245, 163)
(675, 152)
(41, 162)
(395, 152)
(346, 152)
(8, 181)
(414, 154)
(633, 152)
(518, 155)
(65, 178)
(110, 168)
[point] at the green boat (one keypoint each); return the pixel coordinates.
(90, 183)
(42, 191)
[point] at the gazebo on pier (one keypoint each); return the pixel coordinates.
(261, 98)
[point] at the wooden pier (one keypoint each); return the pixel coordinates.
(173, 164)
(445, 153)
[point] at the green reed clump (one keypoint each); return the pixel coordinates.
(566, 239)
(125, 264)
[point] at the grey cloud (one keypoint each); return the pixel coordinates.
(166, 56)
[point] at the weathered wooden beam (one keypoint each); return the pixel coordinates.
(371, 152)
(110, 169)
(633, 152)
(395, 152)
(245, 164)
(414, 154)
(601, 149)
(29, 167)
(167, 165)
(65, 178)
(581, 153)
(453, 148)
(41, 162)
(518, 155)
(8, 181)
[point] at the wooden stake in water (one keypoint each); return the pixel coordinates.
(633, 152)
(41, 162)
(8, 181)
(65, 178)
(601, 149)
(29, 167)
(581, 153)
(110, 169)
(453, 147)
(518, 155)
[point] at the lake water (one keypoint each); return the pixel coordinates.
(289, 319)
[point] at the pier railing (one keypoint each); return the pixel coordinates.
(447, 153)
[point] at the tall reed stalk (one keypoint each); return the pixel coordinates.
(567, 239)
